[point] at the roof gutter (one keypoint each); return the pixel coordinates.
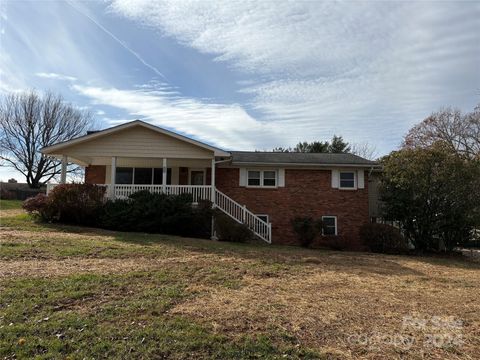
(222, 161)
(302, 164)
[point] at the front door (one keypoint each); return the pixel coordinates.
(197, 177)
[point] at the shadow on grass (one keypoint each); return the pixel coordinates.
(350, 262)
(451, 260)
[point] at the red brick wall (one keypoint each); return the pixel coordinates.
(95, 174)
(183, 176)
(306, 193)
(208, 177)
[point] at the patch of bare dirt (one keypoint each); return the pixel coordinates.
(11, 212)
(55, 268)
(23, 237)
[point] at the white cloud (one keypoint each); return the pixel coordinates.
(11, 77)
(55, 76)
(225, 125)
(367, 70)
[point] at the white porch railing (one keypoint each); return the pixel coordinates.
(242, 215)
(222, 202)
(199, 192)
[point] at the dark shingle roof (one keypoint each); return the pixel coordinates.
(240, 157)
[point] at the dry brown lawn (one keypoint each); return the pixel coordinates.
(305, 303)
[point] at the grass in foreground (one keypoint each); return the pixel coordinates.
(10, 204)
(87, 293)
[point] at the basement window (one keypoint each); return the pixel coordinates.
(263, 217)
(329, 225)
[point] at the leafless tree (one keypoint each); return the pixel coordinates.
(30, 121)
(364, 150)
(461, 132)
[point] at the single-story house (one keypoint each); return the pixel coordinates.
(264, 190)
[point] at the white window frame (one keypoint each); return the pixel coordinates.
(354, 180)
(261, 171)
(259, 179)
(336, 226)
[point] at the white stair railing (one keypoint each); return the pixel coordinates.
(242, 215)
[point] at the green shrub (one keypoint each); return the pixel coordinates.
(83, 204)
(39, 206)
(158, 213)
(79, 204)
(69, 203)
(228, 229)
(116, 215)
(306, 229)
(382, 238)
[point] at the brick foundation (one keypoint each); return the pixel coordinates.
(306, 193)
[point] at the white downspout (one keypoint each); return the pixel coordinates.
(113, 173)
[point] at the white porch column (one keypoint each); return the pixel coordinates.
(212, 183)
(164, 175)
(212, 198)
(113, 173)
(63, 177)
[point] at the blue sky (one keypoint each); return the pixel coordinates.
(249, 75)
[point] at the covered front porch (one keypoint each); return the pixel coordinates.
(124, 176)
(138, 156)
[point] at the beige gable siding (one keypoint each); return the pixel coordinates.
(137, 142)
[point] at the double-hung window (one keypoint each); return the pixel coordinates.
(254, 178)
(329, 225)
(269, 178)
(262, 178)
(347, 180)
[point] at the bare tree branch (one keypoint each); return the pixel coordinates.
(461, 132)
(29, 122)
(364, 150)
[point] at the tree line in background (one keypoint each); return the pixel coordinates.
(336, 145)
